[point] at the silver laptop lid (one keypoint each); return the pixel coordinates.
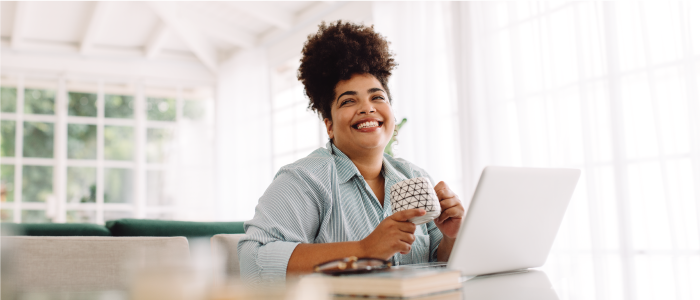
(512, 219)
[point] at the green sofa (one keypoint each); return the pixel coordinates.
(127, 227)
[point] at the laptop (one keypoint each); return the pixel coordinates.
(512, 220)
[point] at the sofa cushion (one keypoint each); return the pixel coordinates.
(77, 229)
(225, 251)
(83, 263)
(139, 227)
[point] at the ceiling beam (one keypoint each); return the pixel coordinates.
(265, 12)
(198, 44)
(97, 19)
(157, 40)
(234, 36)
(19, 24)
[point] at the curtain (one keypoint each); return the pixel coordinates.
(243, 150)
(421, 87)
(610, 88)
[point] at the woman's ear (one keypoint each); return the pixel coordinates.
(329, 127)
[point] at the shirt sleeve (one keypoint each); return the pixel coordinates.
(435, 239)
(287, 214)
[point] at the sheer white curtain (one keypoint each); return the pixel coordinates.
(243, 151)
(422, 88)
(612, 89)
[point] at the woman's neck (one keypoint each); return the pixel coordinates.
(368, 163)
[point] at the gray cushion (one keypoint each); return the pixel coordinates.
(83, 263)
(225, 250)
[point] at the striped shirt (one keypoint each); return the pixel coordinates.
(323, 198)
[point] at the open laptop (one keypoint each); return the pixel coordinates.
(512, 220)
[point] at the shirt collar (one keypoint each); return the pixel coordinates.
(346, 168)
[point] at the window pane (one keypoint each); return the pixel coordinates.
(38, 139)
(195, 110)
(80, 216)
(119, 106)
(161, 109)
(119, 185)
(8, 99)
(159, 145)
(82, 104)
(6, 215)
(7, 138)
(82, 141)
(116, 215)
(7, 183)
(37, 183)
(156, 189)
(35, 216)
(119, 142)
(81, 185)
(38, 101)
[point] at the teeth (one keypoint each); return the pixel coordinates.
(368, 124)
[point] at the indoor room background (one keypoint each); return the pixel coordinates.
(186, 110)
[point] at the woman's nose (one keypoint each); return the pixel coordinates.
(367, 108)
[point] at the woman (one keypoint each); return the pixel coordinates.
(335, 202)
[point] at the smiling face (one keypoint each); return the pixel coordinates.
(363, 121)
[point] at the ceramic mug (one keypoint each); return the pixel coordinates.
(415, 193)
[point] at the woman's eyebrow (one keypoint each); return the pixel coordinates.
(346, 93)
(372, 90)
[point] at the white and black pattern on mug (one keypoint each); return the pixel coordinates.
(415, 193)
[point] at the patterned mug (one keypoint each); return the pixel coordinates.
(415, 193)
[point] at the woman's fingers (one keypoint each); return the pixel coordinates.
(449, 203)
(443, 191)
(456, 212)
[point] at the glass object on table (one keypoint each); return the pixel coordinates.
(39, 101)
(7, 138)
(119, 185)
(8, 99)
(38, 139)
(82, 141)
(35, 216)
(159, 144)
(81, 185)
(119, 106)
(81, 216)
(7, 183)
(119, 142)
(82, 104)
(37, 183)
(161, 109)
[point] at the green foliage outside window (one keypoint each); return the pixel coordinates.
(82, 104)
(7, 138)
(37, 183)
(35, 216)
(8, 99)
(7, 180)
(118, 185)
(159, 143)
(161, 109)
(119, 106)
(119, 142)
(194, 110)
(81, 185)
(38, 101)
(82, 141)
(38, 139)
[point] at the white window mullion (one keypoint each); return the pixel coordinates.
(60, 144)
(140, 154)
(619, 151)
(19, 134)
(177, 157)
(100, 184)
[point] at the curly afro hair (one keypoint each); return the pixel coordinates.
(336, 52)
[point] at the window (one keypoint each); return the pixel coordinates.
(80, 151)
(296, 130)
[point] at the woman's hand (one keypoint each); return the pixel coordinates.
(393, 234)
(452, 214)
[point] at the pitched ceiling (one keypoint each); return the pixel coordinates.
(206, 31)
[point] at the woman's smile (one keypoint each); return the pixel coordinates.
(368, 125)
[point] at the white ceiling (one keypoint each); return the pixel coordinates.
(205, 32)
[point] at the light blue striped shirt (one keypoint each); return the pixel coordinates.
(323, 198)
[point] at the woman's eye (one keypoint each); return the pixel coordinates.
(345, 102)
(378, 97)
